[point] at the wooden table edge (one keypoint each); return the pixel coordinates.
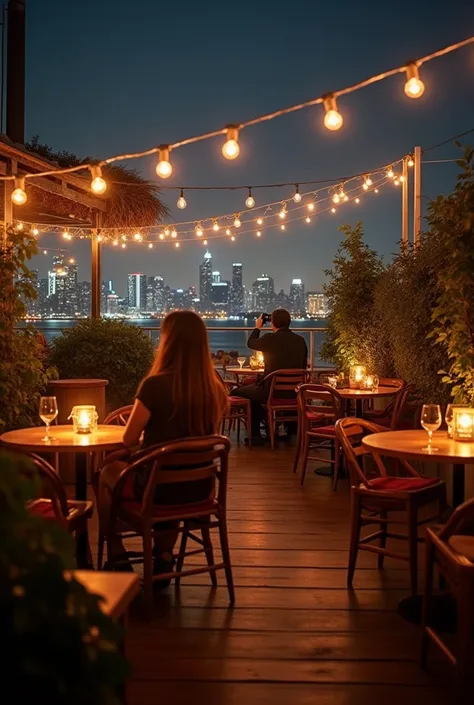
(129, 591)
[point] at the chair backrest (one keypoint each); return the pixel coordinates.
(461, 521)
(331, 400)
(284, 383)
(186, 461)
(401, 407)
(118, 417)
(50, 482)
(350, 432)
(391, 382)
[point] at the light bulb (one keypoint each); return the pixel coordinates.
(176, 244)
(282, 213)
(346, 198)
(237, 222)
(99, 238)
(308, 219)
(198, 229)
(390, 173)
(397, 181)
(414, 86)
(137, 237)
(19, 226)
(336, 198)
(258, 233)
(35, 231)
(65, 235)
(259, 221)
(205, 242)
(115, 243)
(376, 190)
(282, 226)
(215, 226)
(357, 200)
(231, 148)
(342, 193)
(401, 177)
(250, 200)
(311, 206)
(19, 196)
(368, 181)
(174, 233)
(333, 210)
(181, 202)
(333, 119)
(164, 168)
(161, 236)
(365, 186)
(123, 245)
(150, 245)
(297, 196)
(411, 162)
(124, 237)
(98, 183)
(45, 252)
(167, 231)
(227, 232)
(233, 238)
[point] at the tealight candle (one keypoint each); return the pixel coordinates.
(260, 359)
(357, 375)
(84, 418)
(463, 424)
(369, 382)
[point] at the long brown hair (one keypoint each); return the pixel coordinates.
(199, 396)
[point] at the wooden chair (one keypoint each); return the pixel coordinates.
(71, 514)
(399, 414)
(374, 497)
(377, 415)
(185, 462)
(282, 404)
(240, 411)
(451, 550)
(318, 432)
(118, 417)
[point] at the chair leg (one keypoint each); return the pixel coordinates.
(83, 549)
(427, 598)
(206, 539)
(355, 536)
(305, 457)
(413, 546)
(182, 551)
(298, 449)
(249, 423)
(383, 539)
(100, 549)
(226, 556)
(464, 637)
(271, 428)
(238, 429)
(148, 570)
(337, 459)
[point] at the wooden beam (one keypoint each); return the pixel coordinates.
(405, 186)
(96, 285)
(417, 196)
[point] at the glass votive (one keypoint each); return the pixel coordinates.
(369, 382)
(357, 375)
(84, 418)
(463, 424)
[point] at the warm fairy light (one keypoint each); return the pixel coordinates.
(233, 238)
(342, 193)
(227, 232)
(124, 237)
(19, 196)
(346, 198)
(164, 168)
(411, 162)
(333, 210)
(297, 196)
(402, 178)
(231, 148)
(250, 201)
(414, 86)
(376, 190)
(174, 234)
(367, 183)
(161, 236)
(205, 242)
(19, 226)
(390, 173)
(99, 238)
(308, 219)
(66, 235)
(115, 243)
(357, 200)
(150, 245)
(396, 181)
(98, 183)
(72, 260)
(137, 237)
(336, 198)
(259, 221)
(176, 244)
(215, 225)
(123, 245)
(282, 213)
(259, 233)
(332, 119)
(237, 222)
(198, 229)
(35, 231)
(167, 231)
(310, 206)
(282, 226)
(181, 202)
(45, 252)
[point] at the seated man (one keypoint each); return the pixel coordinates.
(281, 350)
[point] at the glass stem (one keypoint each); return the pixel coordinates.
(47, 429)
(430, 437)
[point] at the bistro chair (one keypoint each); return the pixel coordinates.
(375, 495)
(319, 407)
(240, 412)
(399, 414)
(72, 515)
(375, 414)
(118, 417)
(282, 403)
(184, 462)
(451, 550)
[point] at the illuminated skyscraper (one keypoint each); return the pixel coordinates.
(263, 294)
(297, 300)
(136, 293)
(205, 281)
(237, 290)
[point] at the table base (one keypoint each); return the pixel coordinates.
(443, 615)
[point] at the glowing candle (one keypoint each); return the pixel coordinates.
(357, 375)
(463, 424)
(84, 419)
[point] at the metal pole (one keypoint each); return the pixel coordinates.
(405, 187)
(311, 352)
(417, 196)
(95, 264)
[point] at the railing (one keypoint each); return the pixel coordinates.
(309, 334)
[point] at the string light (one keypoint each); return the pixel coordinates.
(411, 161)
(198, 229)
(376, 190)
(181, 202)
(237, 221)
(401, 178)
(310, 206)
(414, 86)
(233, 238)
(164, 168)
(123, 245)
(215, 225)
(174, 234)
(99, 238)
(336, 198)
(67, 235)
(19, 196)
(259, 233)
(367, 183)
(205, 242)
(333, 119)
(35, 231)
(167, 232)
(250, 201)
(357, 200)
(72, 260)
(346, 198)
(308, 219)
(333, 210)
(161, 236)
(98, 183)
(390, 173)
(227, 232)
(297, 196)
(282, 226)
(115, 243)
(342, 193)
(137, 237)
(45, 252)
(231, 147)
(282, 213)
(19, 226)
(259, 221)
(176, 244)
(150, 245)
(396, 181)
(124, 237)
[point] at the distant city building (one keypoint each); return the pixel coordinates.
(107, 287)
(216, 277)
(296, 298)
(236, 294)
(112, 304)
(155, 295)
(263, 294)
(136, 293)
(205, 282)
(220, 294)
(85, 299)
(316, 304)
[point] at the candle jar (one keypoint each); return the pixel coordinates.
(463, 424)
(357, 375)
(448, 417)
(369, 382)
(84, 418)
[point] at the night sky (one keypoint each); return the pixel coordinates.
(109, 76)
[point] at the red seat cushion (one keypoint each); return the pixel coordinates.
(402, 484)
(283, 402)
(326, 430)
(164, 510)
(43, 508)
(314, 415)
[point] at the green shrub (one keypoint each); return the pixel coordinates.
(60, 648)
(23, 372)
(119, 352)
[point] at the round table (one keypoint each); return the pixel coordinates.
(64, 440)
(360, 394)
(243, 372)
(409, 445)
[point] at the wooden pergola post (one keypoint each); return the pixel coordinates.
(417, 196)
(405, 187)
(96, 286)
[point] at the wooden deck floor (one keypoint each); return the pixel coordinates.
(296, 634)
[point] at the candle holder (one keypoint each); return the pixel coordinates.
(84, 418)
(257, 361)
(357, 376)
(463, 424)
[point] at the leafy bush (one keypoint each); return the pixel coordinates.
(350, 330)
(60, 647)
(23, 373)
(119, 352)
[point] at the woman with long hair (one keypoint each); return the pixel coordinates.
(181, 397)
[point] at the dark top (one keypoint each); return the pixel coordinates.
(282, 350)
(155, 393)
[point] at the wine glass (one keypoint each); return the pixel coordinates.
(430, 420)
(241, 361)
(48, 410)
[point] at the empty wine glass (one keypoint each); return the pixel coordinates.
(430, 420)
(48, 410)
(241, 361)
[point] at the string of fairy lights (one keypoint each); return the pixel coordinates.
(300, 206)
(333, 120)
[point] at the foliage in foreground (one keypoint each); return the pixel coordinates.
(60, 648)
(117, 351)
(23, 372)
